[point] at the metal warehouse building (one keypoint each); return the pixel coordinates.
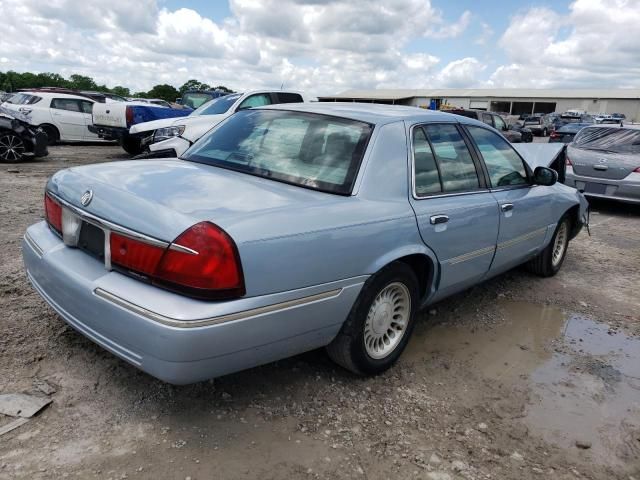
(514, 101)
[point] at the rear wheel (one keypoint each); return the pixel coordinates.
(545, 132)
(53, 136)
(380, 322)
(11, 147)
(132, 145)
(548, 262)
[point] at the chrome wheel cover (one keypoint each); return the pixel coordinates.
(560, 244)
(11, 148)
(387, 320)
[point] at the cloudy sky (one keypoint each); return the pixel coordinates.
(325, 46)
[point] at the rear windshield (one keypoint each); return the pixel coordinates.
(619, 140)
(532, 121)
(310, 150)
(194, 100)
(218, 105)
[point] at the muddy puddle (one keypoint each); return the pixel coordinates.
(582, 378)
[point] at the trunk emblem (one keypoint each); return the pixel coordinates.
(86, 198)
(603, 160)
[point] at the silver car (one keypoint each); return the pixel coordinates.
(292, 227)
(604, 162)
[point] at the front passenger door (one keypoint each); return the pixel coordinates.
(67, 116)
(525, 210)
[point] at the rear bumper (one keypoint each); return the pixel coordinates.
(109, 133)
(174, 338)
(625, 190)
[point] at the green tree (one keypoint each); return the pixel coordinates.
(224, 89)
(82, 82)
(193, 84)
(165, 92)
(122, 91)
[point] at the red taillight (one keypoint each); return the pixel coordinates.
(134, 255)
(128, 114)
(204, 259)
(553, 134)
(202, 262)
(637, 170)
(53, 212)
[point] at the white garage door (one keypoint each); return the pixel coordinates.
(482, 105)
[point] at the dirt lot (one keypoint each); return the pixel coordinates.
(518, 378)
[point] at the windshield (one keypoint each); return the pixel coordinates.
(217, 105)
(310, 150)
(619, 140)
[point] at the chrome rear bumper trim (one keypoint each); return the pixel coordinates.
(203, 322)
(32, 243)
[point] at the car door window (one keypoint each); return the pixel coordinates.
(284, 97)
(455, 164)
(68, 104)
(425, 170)
(505, 167)
(86, 106)
(499, 123)
(257, 100)
(486, 118)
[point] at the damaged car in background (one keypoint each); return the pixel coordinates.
(172, 137)
(292, 227)
(18, 138)
(604, 162)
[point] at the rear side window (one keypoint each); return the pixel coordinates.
(69, 104)
(503, 163)
(486, 118)
(427, 179)
(499, 123)
(257, 100)
(284, 97)
(454, 162)
(87, 107)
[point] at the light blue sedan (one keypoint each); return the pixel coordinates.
(289, 228)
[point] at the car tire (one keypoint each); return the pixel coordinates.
(380, 323)
(132, 145)
(548, 262)
(545, 132)
(12, 147)
(52, 133)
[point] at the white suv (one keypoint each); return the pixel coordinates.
(61, 116)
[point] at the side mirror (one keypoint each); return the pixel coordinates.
(544, 176)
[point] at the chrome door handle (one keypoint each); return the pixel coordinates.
(436, 219)
(506, 207)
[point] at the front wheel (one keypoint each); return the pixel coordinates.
(11, 148)
(132, 145)
(548, 262)
(380, 322)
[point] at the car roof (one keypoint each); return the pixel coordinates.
(42, 94)
(374, 113)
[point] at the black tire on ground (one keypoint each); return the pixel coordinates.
(545, 132)
(11, 147)
(544, 264)
(132, 146)
(348, 348)
(53, 135)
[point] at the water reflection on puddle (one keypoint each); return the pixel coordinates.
(584, 379)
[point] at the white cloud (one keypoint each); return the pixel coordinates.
(461, 73)
(596, 45)
(315, 45)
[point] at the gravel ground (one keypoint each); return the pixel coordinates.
(517, 378)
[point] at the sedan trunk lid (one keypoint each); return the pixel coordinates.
(602, 163)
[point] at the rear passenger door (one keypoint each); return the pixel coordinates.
(67, 116)
(457, 214)
(525, 210)
(87, 109)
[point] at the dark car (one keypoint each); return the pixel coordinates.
(566, 119)
(492, 119)
(527, 134)
(540, 125)
(566, 133)
(19, 139)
